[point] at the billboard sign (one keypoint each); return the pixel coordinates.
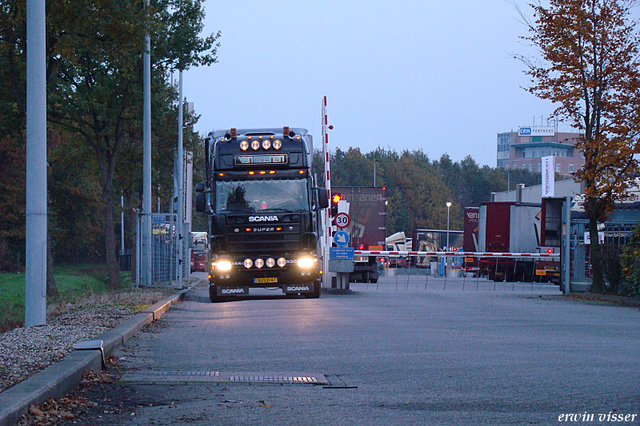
(536, 131)
(548, 176)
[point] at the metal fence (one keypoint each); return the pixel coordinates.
(167, 267)
(421, 279)
(613, 236)
(466, 271)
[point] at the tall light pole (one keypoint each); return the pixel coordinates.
(35, 308)
(448, 208)
(180, 253)
(146, 259)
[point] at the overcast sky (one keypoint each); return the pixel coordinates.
(415, 74)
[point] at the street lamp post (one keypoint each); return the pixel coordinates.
(448, 208)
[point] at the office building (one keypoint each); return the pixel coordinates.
(524, 149)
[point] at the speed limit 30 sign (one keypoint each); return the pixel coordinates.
(342, 220)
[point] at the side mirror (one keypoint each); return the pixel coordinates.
(199, 187)
(323, 198)
(201, 201)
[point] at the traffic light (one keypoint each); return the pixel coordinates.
(335, 197)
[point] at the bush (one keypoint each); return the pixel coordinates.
(630, 263)
(611, 268)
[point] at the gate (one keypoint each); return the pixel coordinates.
(613, 236)
(580, 262)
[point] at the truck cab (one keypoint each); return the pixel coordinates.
(263, 210)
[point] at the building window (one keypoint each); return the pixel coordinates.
(558, 168)
(570, 168)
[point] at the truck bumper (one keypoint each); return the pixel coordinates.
(225, 291)
(291, 278)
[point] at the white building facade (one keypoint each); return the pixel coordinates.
(525, 148)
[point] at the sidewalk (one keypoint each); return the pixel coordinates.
(64, 376)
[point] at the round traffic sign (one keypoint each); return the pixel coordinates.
(342, 220)
(341, 238)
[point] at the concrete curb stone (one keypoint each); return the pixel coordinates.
(63, 377)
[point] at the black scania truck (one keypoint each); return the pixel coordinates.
(263, 208)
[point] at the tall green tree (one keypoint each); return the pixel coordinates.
(96, 88)
(590, 68)
(12, 123)
(355, 168)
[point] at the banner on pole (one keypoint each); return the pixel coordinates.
(548, 176)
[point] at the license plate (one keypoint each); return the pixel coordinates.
(265, 280)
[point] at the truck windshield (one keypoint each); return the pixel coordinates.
(262, 195)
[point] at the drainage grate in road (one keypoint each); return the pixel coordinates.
(305, 380)
(175, 376)
(181, 373)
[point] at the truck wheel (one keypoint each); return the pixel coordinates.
(315, 293)
(213, 294)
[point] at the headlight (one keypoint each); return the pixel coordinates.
(266, 144)
(306, 262)
(282, 262)
(244, 145)
(271, 262)
(223, 265)
(259, 263)
(277, 144)
(255, 145)
(248, 263)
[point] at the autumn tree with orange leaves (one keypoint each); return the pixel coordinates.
(590, 68)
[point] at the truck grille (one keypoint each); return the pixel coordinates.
(248, 241)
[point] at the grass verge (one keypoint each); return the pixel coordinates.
(75, 284)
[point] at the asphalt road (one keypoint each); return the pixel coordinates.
(390, 354)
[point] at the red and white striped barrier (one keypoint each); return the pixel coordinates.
(451, 253)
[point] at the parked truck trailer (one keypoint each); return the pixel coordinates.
(368, 227)
(519, 228)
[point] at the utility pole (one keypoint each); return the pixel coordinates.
(374, 174)
(36, 209)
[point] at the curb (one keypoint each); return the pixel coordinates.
(63, 377)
